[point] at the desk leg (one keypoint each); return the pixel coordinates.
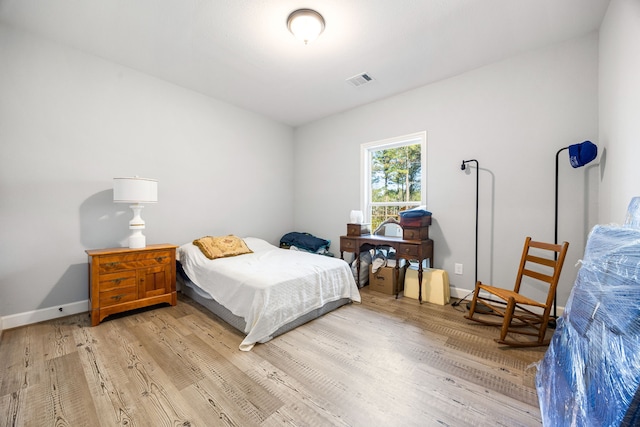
(420, 282)
(358, 269)
(396, 285)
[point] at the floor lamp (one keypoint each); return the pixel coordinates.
(463, 166)
(579, 155)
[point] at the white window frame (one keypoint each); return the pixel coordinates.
(365, 167)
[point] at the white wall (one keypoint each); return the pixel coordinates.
(619, 109)
(70, 122)
(512, 117)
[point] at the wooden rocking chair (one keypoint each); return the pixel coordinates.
(520, 314)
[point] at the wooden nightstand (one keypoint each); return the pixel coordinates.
(122, 279)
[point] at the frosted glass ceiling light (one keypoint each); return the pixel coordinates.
(305, 24)
(135, 191)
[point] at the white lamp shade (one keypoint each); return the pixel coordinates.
(135, 190)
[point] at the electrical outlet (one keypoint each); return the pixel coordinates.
(458, 268)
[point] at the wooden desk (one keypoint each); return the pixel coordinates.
(408, 249)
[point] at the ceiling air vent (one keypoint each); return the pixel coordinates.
(359, 79)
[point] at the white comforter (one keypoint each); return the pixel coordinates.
(270, 287)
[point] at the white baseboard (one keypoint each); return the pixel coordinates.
(35, 316)
(40, 315)
(459, 293)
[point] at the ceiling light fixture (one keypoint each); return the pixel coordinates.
(305, 24)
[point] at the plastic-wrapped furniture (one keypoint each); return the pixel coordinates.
(590, 375)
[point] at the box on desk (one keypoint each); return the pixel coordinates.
(421, 221)
(384, 279)
(415, 233)
(358, 229)
(435, 285)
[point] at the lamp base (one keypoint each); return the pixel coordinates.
(137, 241)
(136, 225)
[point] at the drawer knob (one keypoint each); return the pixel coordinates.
(118, 297)
(160, 258)
(112, 264)
(117, 281)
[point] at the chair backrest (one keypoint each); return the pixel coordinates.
(544, 263)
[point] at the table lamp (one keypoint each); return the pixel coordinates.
(135, 190)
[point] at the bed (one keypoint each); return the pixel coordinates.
(267, 292)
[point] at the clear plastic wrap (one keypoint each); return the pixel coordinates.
(590, 374)
(633, 213)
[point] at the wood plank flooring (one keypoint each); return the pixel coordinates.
(384, 362)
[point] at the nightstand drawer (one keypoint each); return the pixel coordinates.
(415, 233)
(121, 279)
(348, 245)
(109, 264)
(408, 250)
(358, 229)
(118, 295)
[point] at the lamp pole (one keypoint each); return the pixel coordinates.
(552, 322)
(463, 167)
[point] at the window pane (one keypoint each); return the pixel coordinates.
(396, 181)
(396, 174)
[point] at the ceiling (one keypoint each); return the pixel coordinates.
(241, 52)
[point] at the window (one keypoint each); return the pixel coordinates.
(394, 176)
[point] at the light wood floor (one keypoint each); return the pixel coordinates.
(384, 362)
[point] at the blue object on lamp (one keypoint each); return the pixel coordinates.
(583, 153)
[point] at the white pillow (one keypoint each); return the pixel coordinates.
(258, 245)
